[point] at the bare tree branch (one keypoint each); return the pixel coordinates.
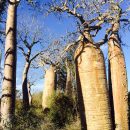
(22, 50)
(35, 56)
(103, 41)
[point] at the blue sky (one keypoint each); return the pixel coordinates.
(57, 28)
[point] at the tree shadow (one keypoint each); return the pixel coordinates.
(80, 94)
(25, 95)
(111, 96)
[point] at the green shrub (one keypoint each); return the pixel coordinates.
(37, 99)
(61, 110)
(75, 125)
(60, 116)
(26, 120)
(31, 119)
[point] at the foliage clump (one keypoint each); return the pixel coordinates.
(61, 115)
(61, 110)
(27, 120)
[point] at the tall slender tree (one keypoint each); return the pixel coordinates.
(118, 73)
(9, 80)
(28, 44)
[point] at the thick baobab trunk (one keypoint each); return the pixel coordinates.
(9, 80)
(49, 87)
(119, 82)
(29, 94)
(92, 88)
(25, 87)
(68, 79)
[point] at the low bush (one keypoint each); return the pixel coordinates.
(61, 110)
(27, 120)
(61, 115)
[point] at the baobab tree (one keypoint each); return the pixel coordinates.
(9, 79)
(118, 75)
(52, 57)
(49, 87)
(90, 69)
(27, 42)
(49, 58)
